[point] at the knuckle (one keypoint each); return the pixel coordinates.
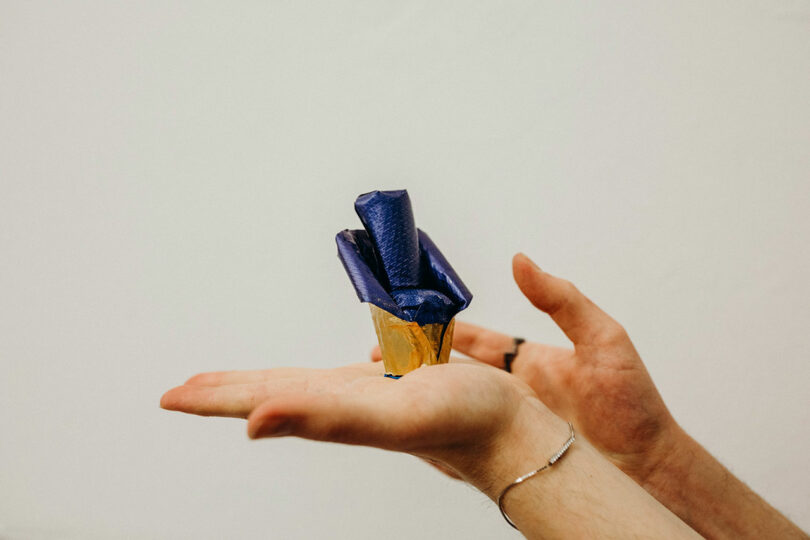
(613, 333)
(570, 288)
(567, 294)
(571, 291)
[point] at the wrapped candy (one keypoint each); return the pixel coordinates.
(412, 290)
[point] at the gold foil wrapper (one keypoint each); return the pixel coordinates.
(406, 346)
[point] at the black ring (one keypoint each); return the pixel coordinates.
(509, 357)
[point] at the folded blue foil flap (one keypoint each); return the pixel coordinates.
(388, 218)
(396, 266)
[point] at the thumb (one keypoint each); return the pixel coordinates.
(347, 419)
(581, 320)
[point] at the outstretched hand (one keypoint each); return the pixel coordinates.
(601, 384)
(475, 421)
(466, 417)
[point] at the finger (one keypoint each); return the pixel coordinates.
(235, 400)
(581, 320)
(482, 344)
(489, 346)
(376, 354)
(219, 378)
(342, 418)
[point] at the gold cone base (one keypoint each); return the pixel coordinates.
(406, 346)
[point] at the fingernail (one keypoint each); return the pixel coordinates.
(534, 264)
(271, 429)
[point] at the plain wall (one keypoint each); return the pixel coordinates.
(172, 176)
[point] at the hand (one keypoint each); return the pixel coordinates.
(483, 424)
(465, 416)
(601, 385)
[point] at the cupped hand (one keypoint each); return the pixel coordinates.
(601, 384)
(461, 416)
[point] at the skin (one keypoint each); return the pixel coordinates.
(602, 386)
(487, 427)
(478, 422)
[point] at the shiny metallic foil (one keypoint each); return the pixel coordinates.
(406, 346)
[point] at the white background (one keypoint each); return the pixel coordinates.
(172, 177)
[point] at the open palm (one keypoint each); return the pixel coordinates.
(454, 415)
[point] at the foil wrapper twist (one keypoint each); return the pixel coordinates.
(413, 292)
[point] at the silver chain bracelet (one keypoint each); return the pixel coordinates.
(552, 460)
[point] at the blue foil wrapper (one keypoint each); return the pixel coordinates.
(397, 267)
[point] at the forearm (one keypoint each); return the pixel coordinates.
(581, 496)
(702, 492)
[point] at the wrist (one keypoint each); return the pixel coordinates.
(673, 457)
(561, 501)
(532, 436)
